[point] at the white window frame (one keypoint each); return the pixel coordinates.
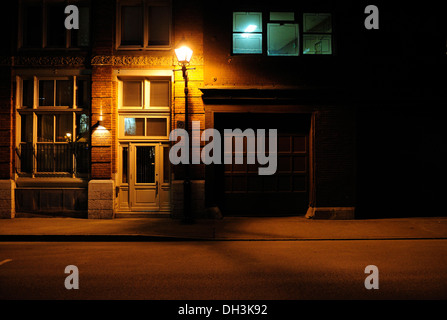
(36, 110)
(146, 87)
(144, 137)
(321, 36)
(239, 34)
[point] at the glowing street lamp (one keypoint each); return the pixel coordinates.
(184, 54)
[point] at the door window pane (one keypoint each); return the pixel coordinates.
(46, 93)
(159, 96)
(64, 93)
(145, 170)
(133, 127)
(156, 127)
(132, 93)
(131, 25)
(159, 20)
(44, 128)
(124, 159)
(166, 164)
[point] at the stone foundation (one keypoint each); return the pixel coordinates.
(330, 213)
(197, 198)
(7, 199)
(101, 199)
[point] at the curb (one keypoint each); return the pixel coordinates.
(156, 238)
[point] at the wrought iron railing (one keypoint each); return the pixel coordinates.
(53, 158)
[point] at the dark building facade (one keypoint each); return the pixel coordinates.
(86, 114)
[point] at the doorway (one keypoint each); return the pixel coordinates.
(144, 177)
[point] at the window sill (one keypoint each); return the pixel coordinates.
(139, 48)
(51, 182)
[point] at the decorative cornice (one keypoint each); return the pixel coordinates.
(137, 61)
(6, 61)
(99, 60)
(52, 61)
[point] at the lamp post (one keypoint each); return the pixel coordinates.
(184, 54)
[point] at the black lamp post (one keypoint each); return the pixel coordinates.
(184, 54)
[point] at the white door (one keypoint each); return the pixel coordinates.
(144, 177)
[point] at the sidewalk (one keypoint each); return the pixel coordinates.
(229, 228)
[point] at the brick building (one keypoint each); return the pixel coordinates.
(86, 113)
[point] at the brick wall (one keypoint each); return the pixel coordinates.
(334, 156)
(6, 124)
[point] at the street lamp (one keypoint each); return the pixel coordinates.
(183, 54)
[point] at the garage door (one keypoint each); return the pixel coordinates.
(243, 192)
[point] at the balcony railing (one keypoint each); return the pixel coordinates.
(53, 158)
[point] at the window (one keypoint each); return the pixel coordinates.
(53, 131)
(56, 93)
(144, 126)
(41, 25)
(150, 94)
(144, 24)
(284, 35)
(317, 33)
(247, 32)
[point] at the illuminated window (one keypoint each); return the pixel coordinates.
(288, 33)
(133, 127)
(144, 24)
(53, 130)
(317, 33)
(148, 126)
(282, 34)
(247, 32)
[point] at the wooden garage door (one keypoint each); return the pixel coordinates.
(244, 192)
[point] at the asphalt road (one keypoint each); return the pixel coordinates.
(249, 270)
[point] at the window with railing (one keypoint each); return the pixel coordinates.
(53, 126)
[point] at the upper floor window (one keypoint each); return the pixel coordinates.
(42, 25)
(247, 32)
(144, 24)
(317, 33)
(284, 37)
(149, 94)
